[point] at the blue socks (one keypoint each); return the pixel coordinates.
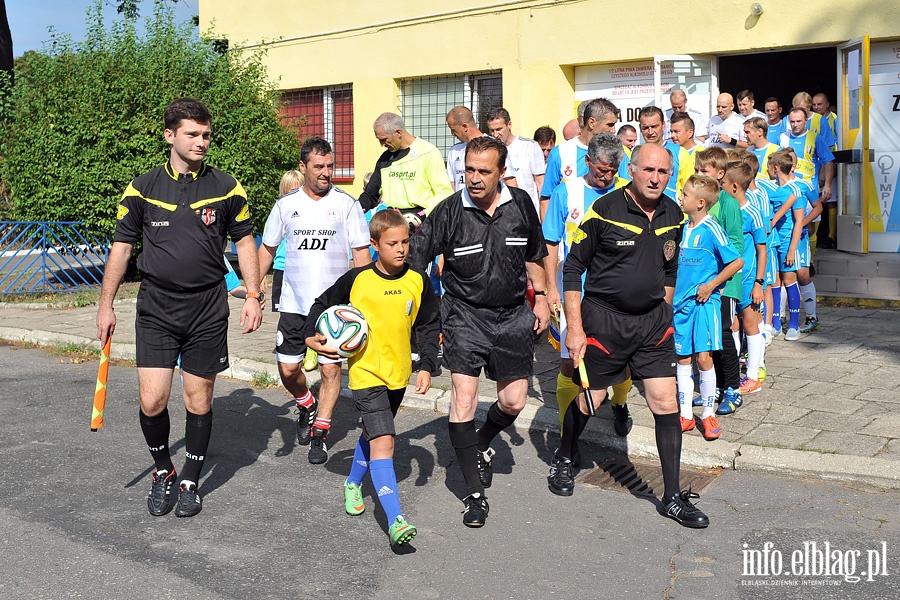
(776, 307)
(794, 302)
(385, 481)
(360, 462)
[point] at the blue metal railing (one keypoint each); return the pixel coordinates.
(56, 256)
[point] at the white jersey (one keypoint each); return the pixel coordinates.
(696, 116)
(527, 160)
(732, 127)
(320, 235)
(456, 165)
(755, 113)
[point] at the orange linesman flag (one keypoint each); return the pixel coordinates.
(100, 390)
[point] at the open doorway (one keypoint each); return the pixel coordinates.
(780, 74)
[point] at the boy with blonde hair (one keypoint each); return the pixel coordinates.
(706, 261)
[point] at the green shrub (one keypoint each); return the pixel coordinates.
(84, 119)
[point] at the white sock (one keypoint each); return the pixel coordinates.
(708, 391)
(808, 294)
(784, 306)
(756, 346)
(685, 379)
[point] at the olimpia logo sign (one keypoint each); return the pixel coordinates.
(813, 563)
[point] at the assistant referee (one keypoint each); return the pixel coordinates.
(628, 245)
(492, 244)
(182, 212)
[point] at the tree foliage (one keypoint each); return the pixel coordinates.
(85, 119)
(129, 8)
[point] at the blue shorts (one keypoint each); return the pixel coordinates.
(698, 327)
(747, 284)
(803, 251)
(771, 263)
(782, 257)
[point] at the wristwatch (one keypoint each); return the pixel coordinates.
(260, 296)
(540, 293)
(760, 281)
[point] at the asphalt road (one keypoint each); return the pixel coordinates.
(74, 524)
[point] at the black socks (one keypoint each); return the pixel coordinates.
(465, 442)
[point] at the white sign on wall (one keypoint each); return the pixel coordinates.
(630, 85)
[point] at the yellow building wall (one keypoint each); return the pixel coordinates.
(536, 44)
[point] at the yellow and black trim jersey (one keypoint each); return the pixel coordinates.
(183, 221)
(394, 306)
(629, 259)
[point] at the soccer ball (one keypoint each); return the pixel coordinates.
(344, 328)
(413, 219)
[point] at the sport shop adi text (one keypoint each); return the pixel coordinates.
(813, 559)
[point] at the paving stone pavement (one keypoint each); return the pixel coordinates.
(830, 406)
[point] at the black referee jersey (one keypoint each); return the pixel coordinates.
(629, 259)
(484, 256)
(183, 220)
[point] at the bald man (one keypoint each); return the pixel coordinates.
(571, 129)
(462, 125)
(678, 102)
(726, 129)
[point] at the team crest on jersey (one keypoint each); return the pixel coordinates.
(669, 249)
(120, 214)
(568, 170)
(242, 216)
(575, 215)
(208, 216)
(578, 236)
(333, 216)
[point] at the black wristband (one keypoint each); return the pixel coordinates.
(733, 142)
(540, 293)
(760, 281)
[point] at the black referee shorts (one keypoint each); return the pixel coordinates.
(645, 343)
(277, 281)
(191, 324)
(377, 407)
(499, 340)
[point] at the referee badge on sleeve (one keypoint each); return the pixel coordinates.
(669, 250)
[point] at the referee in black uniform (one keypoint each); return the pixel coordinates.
(182, 212)
(492, 244)
(628, 244)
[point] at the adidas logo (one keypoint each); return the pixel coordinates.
(384, 491)
(362, 463)
(296, 214)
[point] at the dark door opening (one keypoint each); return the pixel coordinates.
(780, 74)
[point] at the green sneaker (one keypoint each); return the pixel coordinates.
(353, 500)
(311, 360)
(401, 532)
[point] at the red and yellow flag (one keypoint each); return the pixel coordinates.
(100, 390)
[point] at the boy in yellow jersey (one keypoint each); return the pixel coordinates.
(396, 299)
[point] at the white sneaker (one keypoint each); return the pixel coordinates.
(792, 335)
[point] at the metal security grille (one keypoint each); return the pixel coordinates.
(425, 102)
(324, 112)
(641, 478)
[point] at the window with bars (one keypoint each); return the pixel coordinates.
(425, 102)
(324, 112)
